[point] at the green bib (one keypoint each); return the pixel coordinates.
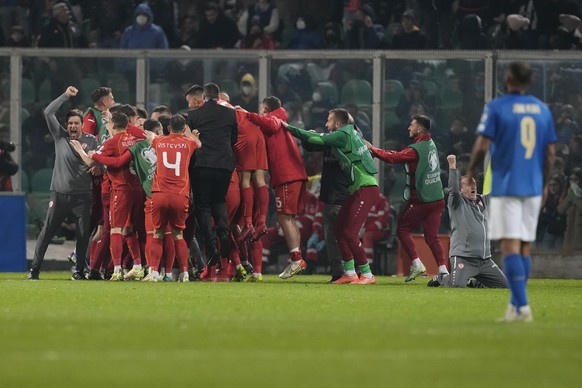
(102, 132)
(355, 160)
(428, 173)
(144, 164)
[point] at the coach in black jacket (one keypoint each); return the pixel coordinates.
(212, 169)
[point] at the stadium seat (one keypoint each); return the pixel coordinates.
(358, 92)
(393, 90)
(45, 92)
(328, 90)
(41, 180)
(86, 87)
(391, 122)
(28, 91)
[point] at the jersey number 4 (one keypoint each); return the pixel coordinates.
(528, 135)
(172, 166)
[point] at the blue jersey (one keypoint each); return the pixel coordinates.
(520, 128)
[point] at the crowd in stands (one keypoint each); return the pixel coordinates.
(270, 24)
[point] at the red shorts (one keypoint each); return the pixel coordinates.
(288, 197)
(250, 152)
(126, 207)
(169, 209)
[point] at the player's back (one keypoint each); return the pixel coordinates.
(122, 178)
(173, 157)
(520, 127)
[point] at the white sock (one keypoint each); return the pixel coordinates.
(368, 275)
(294, 250)
(138, 266)
(255, 274)
(117, 268)
(417, 263)
(238, 266)
(295, 264)
(350, 272)
(155, 274)
(443, 269)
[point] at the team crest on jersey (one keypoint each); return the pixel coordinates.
(461, 265)
(433, 160)
(84, 146)
(149, 155)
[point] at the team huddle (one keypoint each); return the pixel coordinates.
(151, 185)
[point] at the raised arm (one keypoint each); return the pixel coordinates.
(50, 112)
(455, 194)
(333, 139)
(479, 150)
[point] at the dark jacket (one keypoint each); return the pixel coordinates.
(218, 133)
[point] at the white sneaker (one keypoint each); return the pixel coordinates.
(291, 269)
(512, 315)
(184, 277)
(414, 272)
(152, 278)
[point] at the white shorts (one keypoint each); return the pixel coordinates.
(514, 218)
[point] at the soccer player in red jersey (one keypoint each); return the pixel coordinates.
(287, 173)
(171, 190)
(127, 199)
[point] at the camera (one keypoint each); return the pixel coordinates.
(7, 146)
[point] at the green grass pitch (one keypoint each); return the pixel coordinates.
(296, 333)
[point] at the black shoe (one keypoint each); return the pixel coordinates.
(437, 280)
(248, 267)
(335, 277)
(474, 283)
(33, 275)
(78, 276)
(94, 275)
(310, 269)
(213, 257)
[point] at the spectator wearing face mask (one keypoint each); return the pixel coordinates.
(247, 97)
(305, 36)
(143, 33)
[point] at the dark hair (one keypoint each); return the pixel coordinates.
(520, 73)
(119, 120)
(74, 112)
(177, 123)
(99, 93)
(115, 108)
(194, 90)
(165, 122)
(151, 125)
(423, 121)
(341, 115)
(142, 113)
(578, 172)
(162, 109)
(128, 110)
(211, 90)
(212, 6)
(272, 103)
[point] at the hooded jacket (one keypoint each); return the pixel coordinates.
(285, 161)
(148, 36)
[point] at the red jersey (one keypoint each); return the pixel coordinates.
(122, 178)
(173, 154)
(90, 124)
(285, 161)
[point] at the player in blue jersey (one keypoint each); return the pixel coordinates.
(518, 130)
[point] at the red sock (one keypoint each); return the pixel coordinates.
(133, 245)
(295, 256)
(257, 255)
(156, 253)
(262, 199)
(170, 249)
(116, 248)
(148, 247)
(247, 204)
(182, 253)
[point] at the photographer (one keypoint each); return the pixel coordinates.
(7, 166)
